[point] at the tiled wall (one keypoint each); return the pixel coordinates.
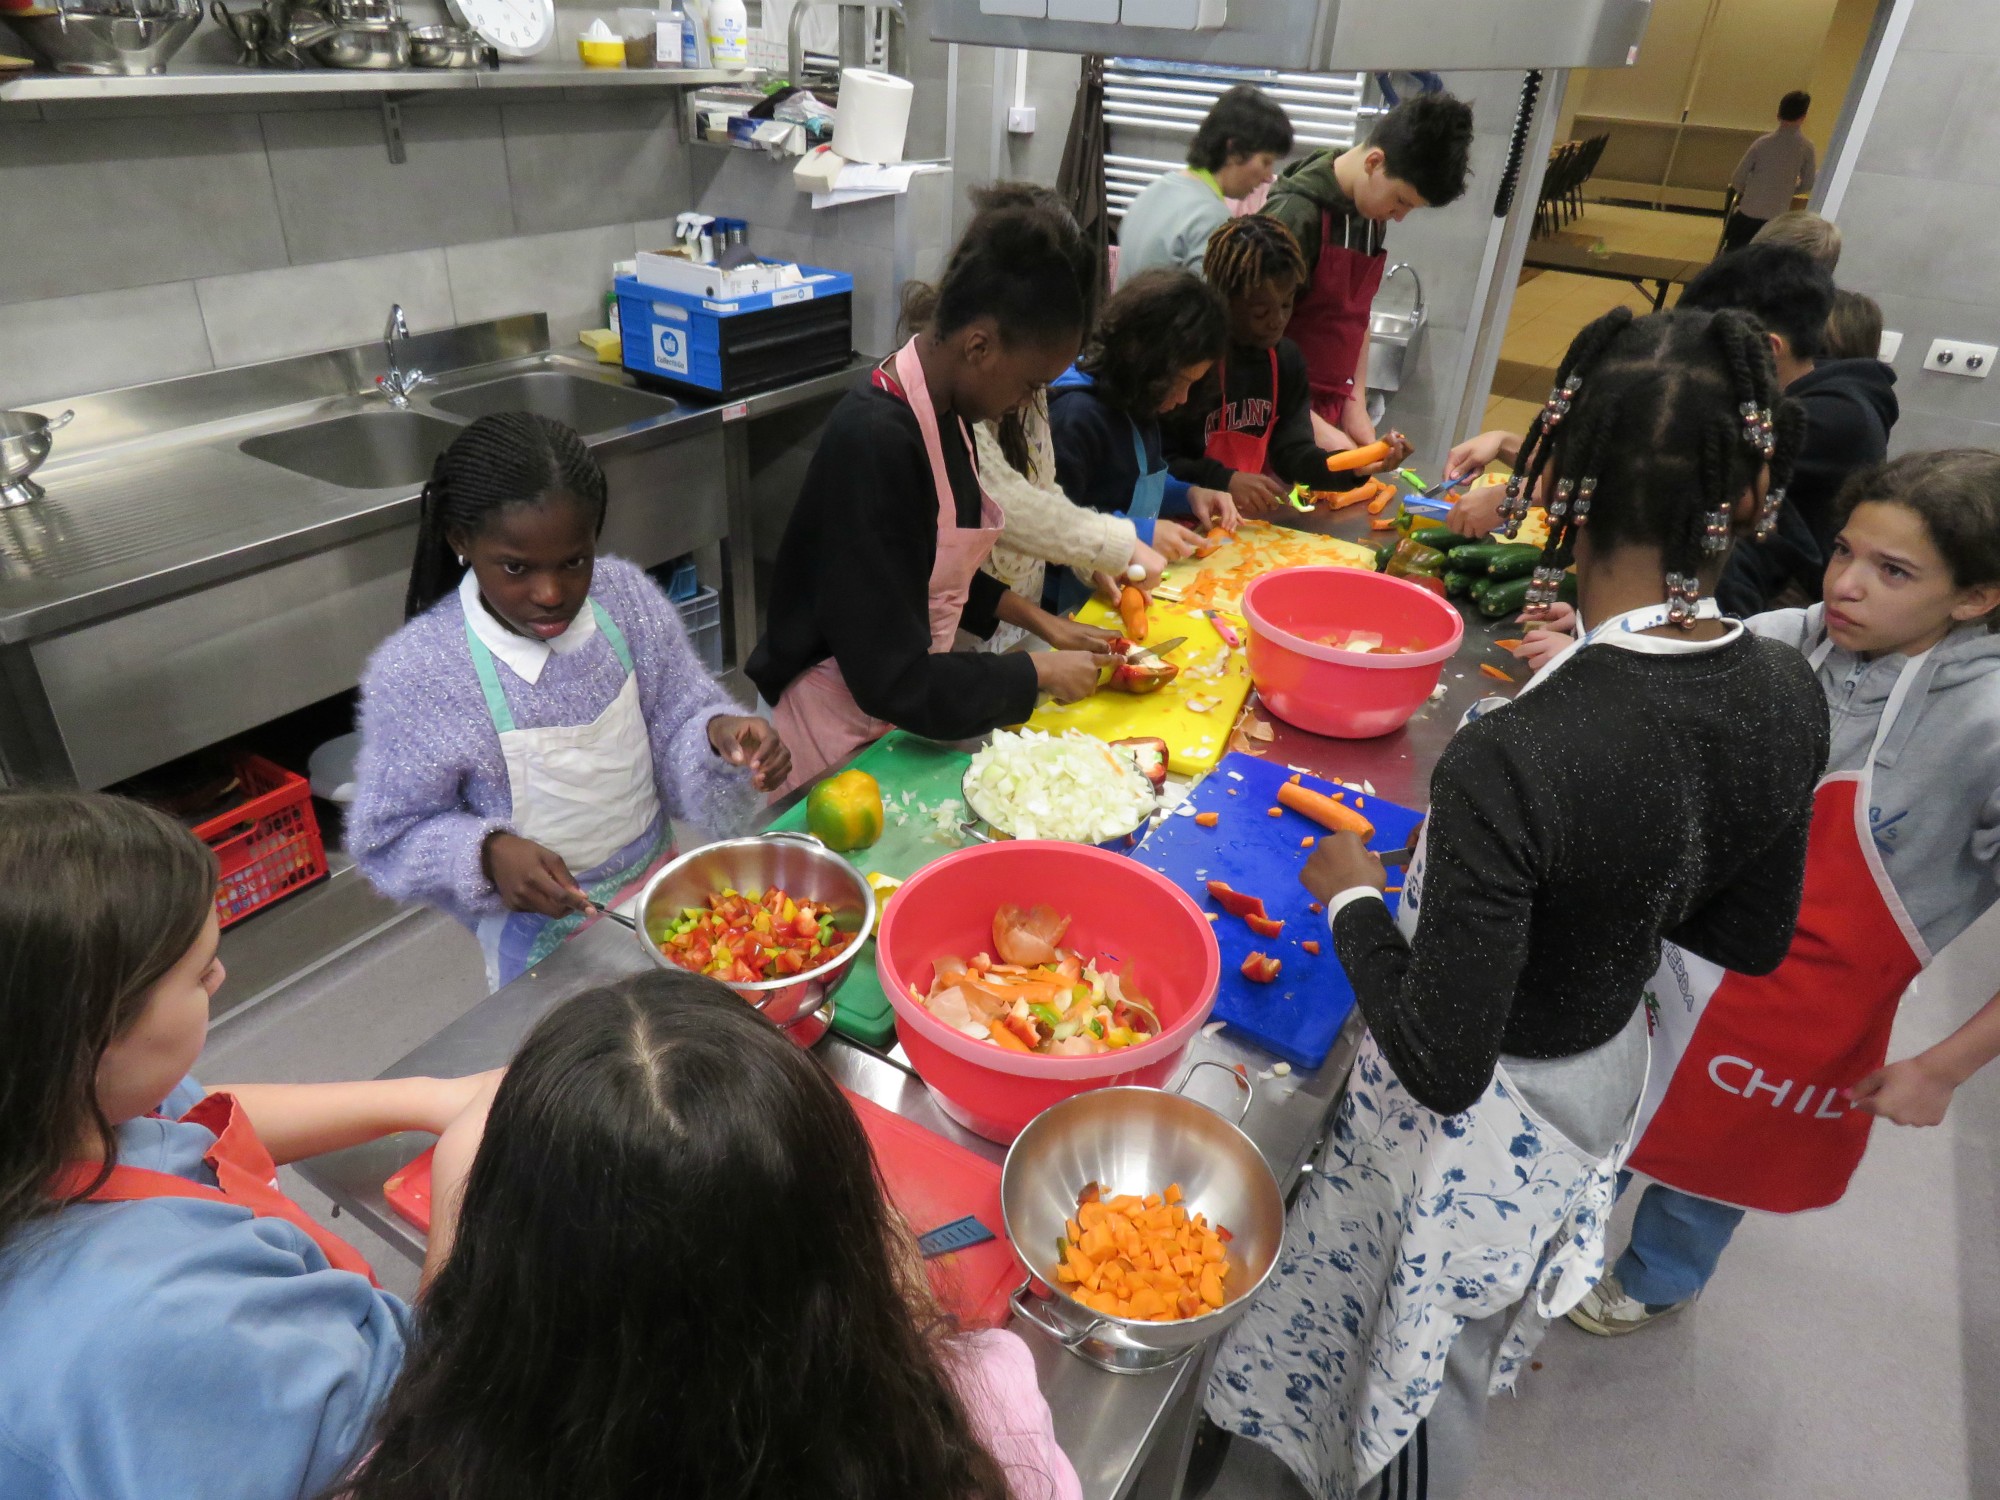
(148, 243)
(1921, 219)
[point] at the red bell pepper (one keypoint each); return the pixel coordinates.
(1236, 903)
(1151, 754)
(1138, 670)
(1261, 968)
(1263, 926)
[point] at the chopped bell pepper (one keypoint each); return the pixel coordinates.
(1151, 754)
(1261, 968)
(1236, 903)
(1263, 926)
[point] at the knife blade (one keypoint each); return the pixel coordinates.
(1160, 650)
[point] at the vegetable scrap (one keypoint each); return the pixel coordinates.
(1507, 643)
(1040, 998)
(1307, 842)
(1311, 945)
(746, 939)
(1487, 669)
(1144, 1258)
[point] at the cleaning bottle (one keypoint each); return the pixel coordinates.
(728, 35)
(691, 30)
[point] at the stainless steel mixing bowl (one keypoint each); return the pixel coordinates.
(804, 868)
(25, 439)
(1137, 1140)
(108, 36)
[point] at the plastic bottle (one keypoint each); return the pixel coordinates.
(691, 29)
(728, 34)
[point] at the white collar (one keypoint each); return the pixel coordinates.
(525, 655)
(1623, 632)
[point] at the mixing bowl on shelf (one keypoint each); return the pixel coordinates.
(1137, 1141)
(107, 36)
(803, 867)
(1118, 909)
(1347, 694)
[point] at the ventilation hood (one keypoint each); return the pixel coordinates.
(1313, 35)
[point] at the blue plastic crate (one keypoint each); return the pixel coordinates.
(680, 337)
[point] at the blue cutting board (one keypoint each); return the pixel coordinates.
(1299, 1013)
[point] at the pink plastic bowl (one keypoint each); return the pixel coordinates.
(1118, 908)
(1352, 695)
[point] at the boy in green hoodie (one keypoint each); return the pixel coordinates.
(1336, 203)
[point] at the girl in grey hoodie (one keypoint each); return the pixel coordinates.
(1914, 575)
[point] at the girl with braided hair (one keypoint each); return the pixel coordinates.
(1655, 783)
(530, 732)
(1251, 418)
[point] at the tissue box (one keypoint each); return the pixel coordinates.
(728, 343)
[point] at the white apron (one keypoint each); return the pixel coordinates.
(585, 791)
(1415, 1224)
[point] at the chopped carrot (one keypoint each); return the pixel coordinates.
(1311, 946)
(1390, 890)
(1508, 644)
(1316, 909)
(1382, 523)
(1307, 842)
(1487, 669)
(1208, 819)
(1295, 778)
(1275, 812)
(1146, 1258)
(1328, 812)
(1359, 801)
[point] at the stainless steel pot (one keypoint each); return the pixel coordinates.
(25, 440)
(450, 47)
(796, 863)
(1137, 1140)
(115, 37)
(366, 45)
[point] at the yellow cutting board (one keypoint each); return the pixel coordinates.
(1260, 547)
(1211, 674)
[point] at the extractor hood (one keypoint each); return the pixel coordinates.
(1313, 35)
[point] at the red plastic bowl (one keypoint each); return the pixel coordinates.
(1352, 695)
(1118, 908)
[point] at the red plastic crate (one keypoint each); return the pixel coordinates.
(267, 847)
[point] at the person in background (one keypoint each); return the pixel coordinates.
(879, 568)
(1158, 335)
(1818, 237)
(1850, 407)
(1234, 152)
(530, 732)
(1906, 841)
(1657, 783)
(1250, 418)
(172, 1323)
(1017, 463)
(1854, 331)
(1779, 165)
(1337, 204)
(674, 1273)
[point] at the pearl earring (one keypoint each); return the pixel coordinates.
(461, 559)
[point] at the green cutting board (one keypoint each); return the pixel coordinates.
(931, 774)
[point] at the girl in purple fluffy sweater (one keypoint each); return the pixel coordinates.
(528, 734)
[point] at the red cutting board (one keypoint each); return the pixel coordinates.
(931, 1181)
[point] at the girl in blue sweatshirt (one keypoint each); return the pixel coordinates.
(1155, 339)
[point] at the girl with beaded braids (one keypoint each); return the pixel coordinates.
(530, 732)
(1656, 783)
(1251, 418)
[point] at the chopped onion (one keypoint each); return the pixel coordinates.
(1068, 787)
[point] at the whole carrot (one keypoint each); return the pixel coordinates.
(1324, 810)
(1359, 458)
(1132, 612)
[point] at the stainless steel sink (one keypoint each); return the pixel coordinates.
(589, 406)
(364, 451)
(1393, 337)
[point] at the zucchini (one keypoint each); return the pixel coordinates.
(1477, 557)
(1382, 555)
(1457, 584)
(1504, 597)
(1516, 561)
(1443, 538)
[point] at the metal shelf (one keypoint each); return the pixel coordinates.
(223, 80)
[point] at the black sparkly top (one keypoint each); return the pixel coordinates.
(1630, 797)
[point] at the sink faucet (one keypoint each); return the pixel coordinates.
(397, 384)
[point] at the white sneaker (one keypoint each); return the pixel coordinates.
(1607, 1311)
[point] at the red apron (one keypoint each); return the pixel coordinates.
(817, 716)
(1241, 451)
(245, 1174)
(1753, 1113)
(1330, 322)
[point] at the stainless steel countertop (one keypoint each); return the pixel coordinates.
(1109, 1425)
(150, 496)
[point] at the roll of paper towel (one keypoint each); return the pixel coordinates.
(874, 116)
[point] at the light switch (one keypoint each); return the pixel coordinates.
(1891, 342)
(1096, 12)
(1951, 357)
(1033, 10)
(1177, 15)
(1021, 119)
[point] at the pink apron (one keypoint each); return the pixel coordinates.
(1330, 323)
(816, 715)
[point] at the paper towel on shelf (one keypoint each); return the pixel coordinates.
(874, 115)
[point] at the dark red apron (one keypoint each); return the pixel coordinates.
(1242, 452)
(1330, 322)
(244, 1173)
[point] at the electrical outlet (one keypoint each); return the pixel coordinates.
(1021, 119)
(1951, 357)
(1892, 341)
